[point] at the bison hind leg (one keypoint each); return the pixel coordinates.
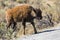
(8, 25)
(14, 26)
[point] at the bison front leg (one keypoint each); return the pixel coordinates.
(24, 25)
(34, 27)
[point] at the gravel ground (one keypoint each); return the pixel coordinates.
(48, 34)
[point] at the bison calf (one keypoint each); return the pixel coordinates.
(22, 14)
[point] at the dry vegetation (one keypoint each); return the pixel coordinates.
(50, 11)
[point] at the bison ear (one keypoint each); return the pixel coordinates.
(38, 11)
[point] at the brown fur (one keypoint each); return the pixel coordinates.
(21, 13)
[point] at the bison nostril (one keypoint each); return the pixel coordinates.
(41, 18)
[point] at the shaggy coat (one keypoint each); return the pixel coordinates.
(22, 14)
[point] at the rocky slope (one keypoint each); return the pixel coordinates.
(50, 12)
